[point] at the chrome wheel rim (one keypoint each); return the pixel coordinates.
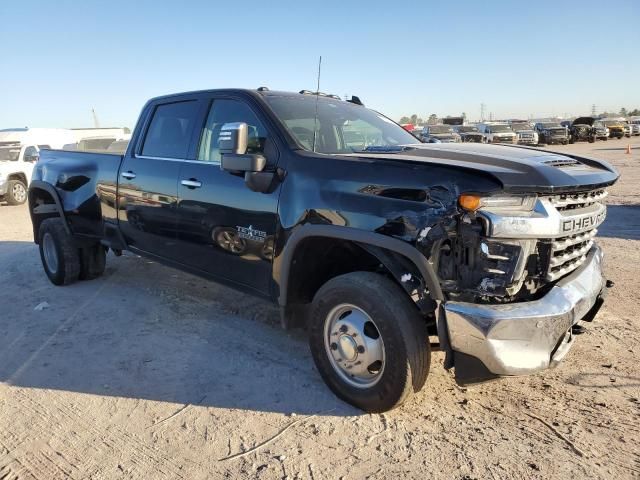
(18, 192)
(50, 252)
(354, 346)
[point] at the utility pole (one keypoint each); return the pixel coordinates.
(96, 124)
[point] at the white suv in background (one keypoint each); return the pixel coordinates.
(16, 165)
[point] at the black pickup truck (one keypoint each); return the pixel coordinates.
(381, 246)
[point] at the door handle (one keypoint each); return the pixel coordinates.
(129, 175)
(191, 183)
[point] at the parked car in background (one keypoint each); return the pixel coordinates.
(439, 134)
(498, 133)
(582, 130)
(616, 128)
(16, 166)
(469, 134)
(525, 132)
(635, 129)
(550, 133)
(19, 150)
(602, 132)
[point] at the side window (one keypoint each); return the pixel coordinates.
(30, 151)
(170, 129)
(228, 111)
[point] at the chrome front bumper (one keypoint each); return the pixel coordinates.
(523, 338)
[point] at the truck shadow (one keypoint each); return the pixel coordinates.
(602, 380)
(623, 221)
(148, 332)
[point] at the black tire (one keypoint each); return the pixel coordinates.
(403, 332)
(93, 261)
(54, 239)
(16, 192)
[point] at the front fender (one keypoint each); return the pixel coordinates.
(359, 236)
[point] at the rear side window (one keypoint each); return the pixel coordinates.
(170, 130)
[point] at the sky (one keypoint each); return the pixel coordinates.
(520, 58)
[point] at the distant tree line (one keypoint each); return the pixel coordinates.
(416, 120)
(624, 113)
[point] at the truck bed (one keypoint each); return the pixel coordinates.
(87, 178)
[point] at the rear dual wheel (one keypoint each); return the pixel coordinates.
(63, 261)
(368, 341)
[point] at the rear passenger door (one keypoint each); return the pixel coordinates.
(148, 179)
(225, 229)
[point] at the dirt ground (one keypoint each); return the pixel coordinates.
(149, 373)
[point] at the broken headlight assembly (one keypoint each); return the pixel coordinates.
(479, 267)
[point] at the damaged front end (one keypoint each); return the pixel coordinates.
(475, 267)
(518, 273)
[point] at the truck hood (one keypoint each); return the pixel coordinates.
(518, 169)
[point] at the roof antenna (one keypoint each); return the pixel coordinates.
(315, 121)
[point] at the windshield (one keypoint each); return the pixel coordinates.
(9, 153)
(516, 127)
(611, 123)
(440, 129)
(342, 127)
(500, 128)
(467, 129)
(551, 125)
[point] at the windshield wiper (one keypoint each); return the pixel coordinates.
(385, 149)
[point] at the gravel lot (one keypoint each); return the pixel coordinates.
(149, 373)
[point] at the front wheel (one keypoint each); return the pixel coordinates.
(16, 192)
(368, 341)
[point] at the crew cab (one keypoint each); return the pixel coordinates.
(586, 129)
(439, 134)
(498, 133)
(526, 135)
(469, 133)
(616, 128)
(550, 133)
(381, 246)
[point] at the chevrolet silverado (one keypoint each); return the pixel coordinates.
(381, 246)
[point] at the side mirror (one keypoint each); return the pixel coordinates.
(234, 138)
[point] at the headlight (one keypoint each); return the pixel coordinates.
(497, 203)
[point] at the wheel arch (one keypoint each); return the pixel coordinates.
(396, 256)
(44, 202)
(18, 176)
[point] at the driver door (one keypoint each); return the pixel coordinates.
(225, 229)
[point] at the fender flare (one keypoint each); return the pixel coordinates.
(359, 236)
(50, 189)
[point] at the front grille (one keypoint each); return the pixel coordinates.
(569, 252)
(569, 201)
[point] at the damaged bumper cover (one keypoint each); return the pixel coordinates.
(527, 337)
